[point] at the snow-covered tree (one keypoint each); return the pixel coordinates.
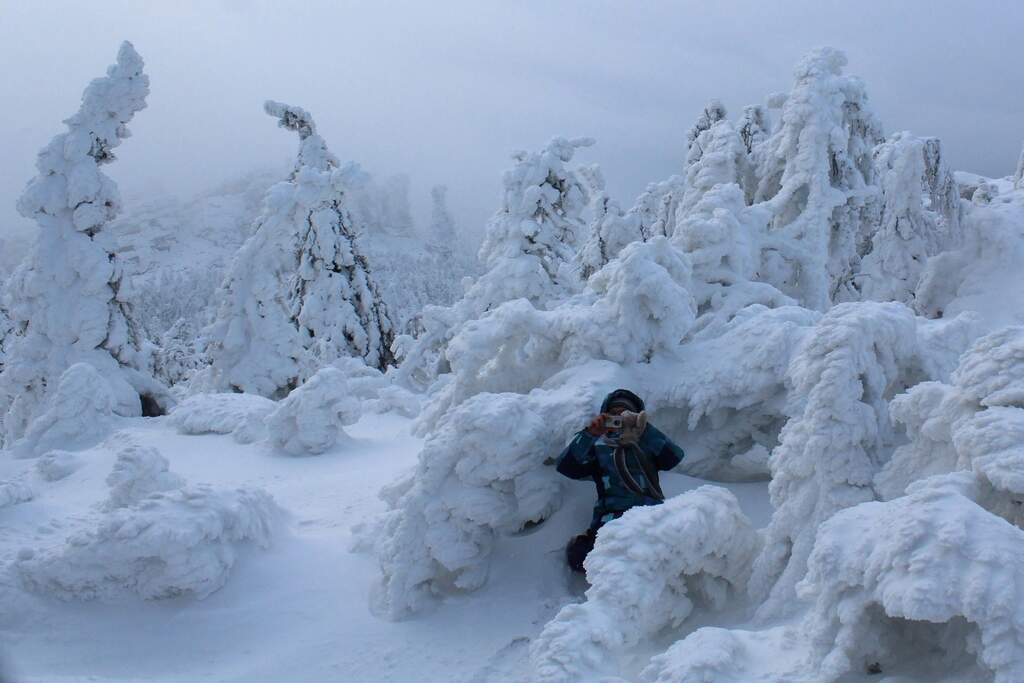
(442, 226)
(714, 111)
(68, 301)
(610, 232)
(179, 356)
(753, 126)
(943, 193)
(298, 294)
(721, 160)
(655, 208)
(816, 176)
(528, 252)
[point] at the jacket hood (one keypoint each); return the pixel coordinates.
(622, 394)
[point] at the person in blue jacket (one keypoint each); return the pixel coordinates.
(623, 463)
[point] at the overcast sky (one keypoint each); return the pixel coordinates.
(444, 91)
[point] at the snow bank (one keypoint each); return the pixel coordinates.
(241, 415)
(77, 415)
(646, 572)
(931, 556)
(311, 420)
(156, 539)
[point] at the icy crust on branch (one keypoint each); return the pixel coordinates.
(932, 557)
(77, 415)
(158, 539)
(67, 300)
(311, 420)
(646, 572)
(298, 294)
(816, 177)
(241, 415)
(833, 444)
(974, 423)
(527, 253)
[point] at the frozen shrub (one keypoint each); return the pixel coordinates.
(138, 472)
(646, 572)
(178, 543)
(311, 420)
(240, 415)
(77, 415)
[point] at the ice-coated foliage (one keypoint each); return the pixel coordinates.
(179, 357)
(77, 415)
(816, 177)
(138, 472)
(67, 300)
(240, 415)
(646, 572)
(722, 159)
(178, 543)
(655, 208)
(312, 419)
(754, 126)
(931, 566)
(831, 448)
(298, 294)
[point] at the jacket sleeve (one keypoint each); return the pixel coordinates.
(666, 453)
(577, 461)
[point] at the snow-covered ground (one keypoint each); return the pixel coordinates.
(297, 610)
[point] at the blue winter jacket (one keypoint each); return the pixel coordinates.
(593, 457)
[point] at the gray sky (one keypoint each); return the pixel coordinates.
(445, 90)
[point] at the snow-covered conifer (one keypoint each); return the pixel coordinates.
(298, 294)
(943, 192)
(817, 178)
(442, 235)
(753, 126)
(1018, 177)
(68, 300)
(714, 111)
(610, 232)
(721, 160)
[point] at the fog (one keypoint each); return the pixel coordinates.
(445, 91)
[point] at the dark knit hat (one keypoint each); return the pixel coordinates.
(624, 398)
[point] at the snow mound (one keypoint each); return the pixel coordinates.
(932, 557)
(57, 465)
(138, 472)
(13, 492)
(646, 571)
(311, 420)
(77, 415)
(153, 541)
(241, 415)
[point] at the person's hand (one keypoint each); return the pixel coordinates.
(596, 426)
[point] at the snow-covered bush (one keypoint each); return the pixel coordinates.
(77, 415)
(713, 112)
(68, 300)
(298, 294)
(858, 356)
(14, 491)
(138, 472)
(57, 465)
(241, 415)
(312, 419)
(610, 232)
(156, 539)
(929, 566)
(816, 177)
(722, 159)
(179, 357)
(182, 542)
(646, 572)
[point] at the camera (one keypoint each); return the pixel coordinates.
(613, 422)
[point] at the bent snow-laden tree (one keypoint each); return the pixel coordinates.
(298, 294)
(817, 178)
(67, 301)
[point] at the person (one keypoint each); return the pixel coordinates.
(623, 463)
